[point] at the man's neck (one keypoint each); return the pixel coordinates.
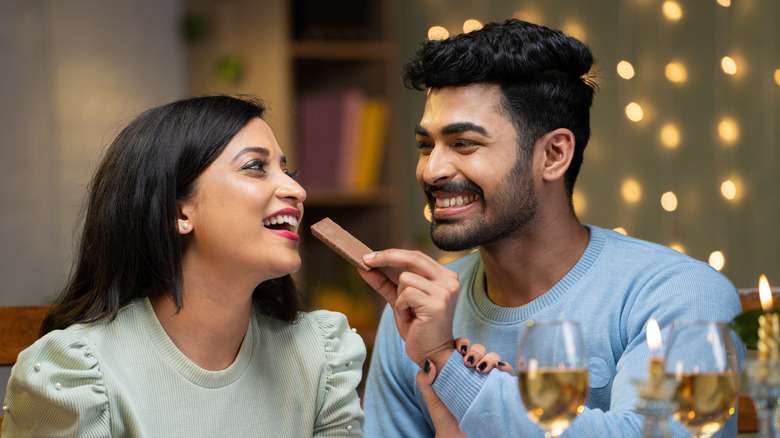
(522, 268)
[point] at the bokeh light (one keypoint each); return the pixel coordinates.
(728, 65)
(669, 201)
(729, 189)
(634, 112)
(427, 213)
(620, 230)
(574, 29)
(579, 202)
(728, 130)
(670, 136)
(625, 70)
(676, 72)
(631, 191)
(725, 4)
(471, 25)
(777, 76)
(677, 247)
(717, 260)
(672, 10)
(438, 33)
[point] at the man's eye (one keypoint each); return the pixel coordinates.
(424, 145)
(255, 165)
(466, 143)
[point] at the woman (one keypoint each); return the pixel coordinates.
(181, 318)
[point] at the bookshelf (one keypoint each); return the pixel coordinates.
(285, 52)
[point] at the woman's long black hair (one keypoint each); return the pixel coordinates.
(130, 246)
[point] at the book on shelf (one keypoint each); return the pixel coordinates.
(341, 137)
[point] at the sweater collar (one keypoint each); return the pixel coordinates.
(479, 298)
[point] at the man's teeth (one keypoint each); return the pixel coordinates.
(281, 219)
(457, 201)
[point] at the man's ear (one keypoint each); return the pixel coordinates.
(558, 147)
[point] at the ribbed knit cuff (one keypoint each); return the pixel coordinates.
(457, 385)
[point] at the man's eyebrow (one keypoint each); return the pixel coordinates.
(259, 150)
(454, 128)
(457, 128)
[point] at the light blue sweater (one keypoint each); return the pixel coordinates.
(616, 286)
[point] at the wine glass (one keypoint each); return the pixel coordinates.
(553, 374)
(702, 359)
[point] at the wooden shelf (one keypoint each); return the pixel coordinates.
(343, 50)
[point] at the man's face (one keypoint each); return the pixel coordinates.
(479, 184)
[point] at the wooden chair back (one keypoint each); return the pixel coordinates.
(747, 420)
(19, 328)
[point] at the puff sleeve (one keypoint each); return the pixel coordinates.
(56, 390)
(339, 412)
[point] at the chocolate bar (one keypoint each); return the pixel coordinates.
(347, 246)
(339, 240)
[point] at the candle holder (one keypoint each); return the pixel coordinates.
(764, 379)
(656, 404)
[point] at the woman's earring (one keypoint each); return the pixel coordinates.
(186, 226)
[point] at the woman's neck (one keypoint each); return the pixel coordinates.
(208, 331)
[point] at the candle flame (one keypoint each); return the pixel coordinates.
(653, 335)
(765, 293)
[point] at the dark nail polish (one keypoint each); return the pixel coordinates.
(482, 366)
(501, 364)
(427, 366)
(463, 348)
(470, 360)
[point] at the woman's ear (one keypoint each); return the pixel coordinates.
(558, 152)
(182, 210)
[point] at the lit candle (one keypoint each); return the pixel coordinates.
(768, 325)
(656, 371)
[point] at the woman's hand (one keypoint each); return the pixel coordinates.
(476, 356)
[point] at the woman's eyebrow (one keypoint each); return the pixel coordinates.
(259, 150)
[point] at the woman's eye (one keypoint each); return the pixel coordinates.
(255, 165)
(293, 175)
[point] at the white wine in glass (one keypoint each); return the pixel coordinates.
(702, 358)
(553, 374)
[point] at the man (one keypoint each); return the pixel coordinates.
(501, 141)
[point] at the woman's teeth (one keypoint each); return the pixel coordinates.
(281, 220)
(457, 201)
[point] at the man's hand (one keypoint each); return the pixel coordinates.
(423, 301)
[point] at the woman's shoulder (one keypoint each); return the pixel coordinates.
(58, 377)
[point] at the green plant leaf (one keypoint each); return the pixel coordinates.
(746, 326)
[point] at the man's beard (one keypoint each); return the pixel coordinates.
(513, 206)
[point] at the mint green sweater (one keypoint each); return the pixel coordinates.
(127, 378)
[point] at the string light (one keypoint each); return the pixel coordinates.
(438, 33)
(631, 191)
(672, 10)
(676, 72)
(625, 70)
(471, 25)
(669, 201)
(717, 260)
(634, 112)
(728, 65)
(670, 136)
(728, 130)
(728, 189)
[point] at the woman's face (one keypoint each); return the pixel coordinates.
(242, 221)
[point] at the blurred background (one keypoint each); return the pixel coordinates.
(685, 149)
